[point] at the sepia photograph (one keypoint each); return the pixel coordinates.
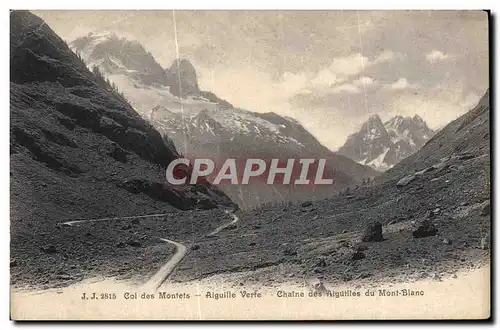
(250, 164)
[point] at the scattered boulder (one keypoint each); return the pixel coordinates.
(306, 204)
(136, 221)
(486, 210)
(195, 247)
(373, 233)
(134, 243)
(120, 244)
(125, 227)
(49, 249)
(465, 156)
(289, 251)
(343, 243)
(447, 241)
(358, 255)
(406, 180)
(425, 229)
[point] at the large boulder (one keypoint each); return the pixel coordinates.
(373, 233)
(358, 255)
(425, 229)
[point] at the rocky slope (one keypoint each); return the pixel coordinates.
(428, 216)
(203, 125)
(78, 150)
(383, 145)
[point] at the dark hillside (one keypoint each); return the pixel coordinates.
(78, 150)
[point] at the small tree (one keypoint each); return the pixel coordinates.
(98, 73)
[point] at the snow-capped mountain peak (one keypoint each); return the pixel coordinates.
(383, 145)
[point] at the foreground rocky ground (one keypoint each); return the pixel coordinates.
(129, 249)
(325, 238)
(433, 227)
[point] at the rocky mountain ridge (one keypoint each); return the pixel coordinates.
(201, 124)
(383, 145)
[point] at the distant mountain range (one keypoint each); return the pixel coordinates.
(383, 145)
(201, 124)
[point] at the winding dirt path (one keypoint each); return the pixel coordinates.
(161, 275)
(224, 226)
(180, 249)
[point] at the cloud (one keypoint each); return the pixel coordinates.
(346, 88)
(292, 83)
(365, 81)
(355, 86)
(325, 78)
(356, 63)
(348, 65)
(400, 84)
(343, 68)
(436, 56)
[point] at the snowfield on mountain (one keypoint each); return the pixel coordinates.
(383, 145)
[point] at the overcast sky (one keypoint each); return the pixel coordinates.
(330, 70)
